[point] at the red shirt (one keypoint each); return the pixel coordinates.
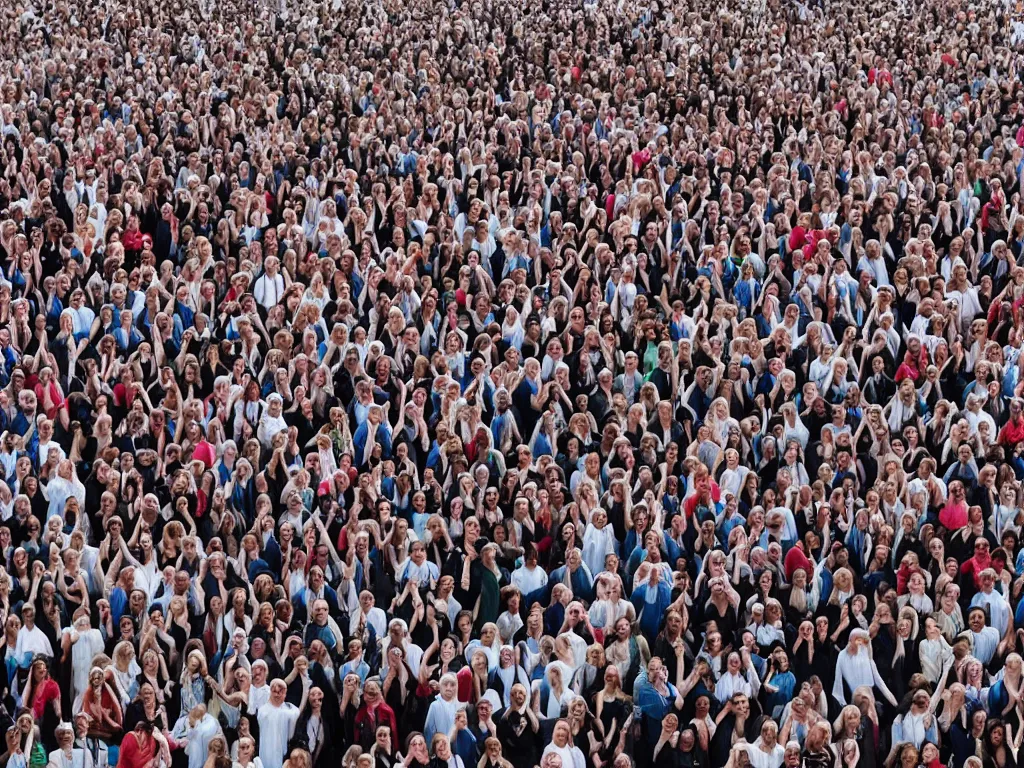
(382, 714)
(953, 516)
(976, 565)
(132, 756)
(795, 558)
(206, 453)
(693, 501)
(47, 692)
(1011, 433)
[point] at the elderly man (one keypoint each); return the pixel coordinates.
(441, 714)
(270, 286)
(277, 720)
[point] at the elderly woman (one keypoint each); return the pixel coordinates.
(855, 668)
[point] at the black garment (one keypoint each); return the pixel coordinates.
(520, 744)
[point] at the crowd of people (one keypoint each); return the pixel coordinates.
(511, 384)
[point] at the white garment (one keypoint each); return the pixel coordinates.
(985, 644)
(998, 609)
(579, 648)
(761, 759)
(258, 696)
(31, 642)
(375, 618)
(934, 654)
(80, 758)
(199, 737)
(571, 756)
(276, 727)
(267, 292)
(730, 683)
(855, 670)
(270, 426)
(90, 643)
(528, 580)
(604, 613)
(413, 656)
(914, 729)
(598, 544)
(314, 733)
(732, 480)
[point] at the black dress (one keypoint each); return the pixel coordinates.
(668, 757)
(521, 745)
(613, 712)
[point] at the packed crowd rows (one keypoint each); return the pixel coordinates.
(511, 383)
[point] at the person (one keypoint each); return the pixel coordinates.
(140, 747)
(562, 747)
(441, 714)
(196, 731)
(276, 720)
(855, 667)
(67, 755)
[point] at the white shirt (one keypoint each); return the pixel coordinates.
(985, 644)
(762, 759)
(528, 580)
(258, 696)
(998, 609)
(199, 737)
(276, 727)
(856, 670)
(731, 683)
(375, 618)
(31, 642)
(80, 758)
(572, 757)
(267, 292)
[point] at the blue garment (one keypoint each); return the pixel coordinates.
(931, 733)
(650, 613)
(581, 581)
(542, 446)
(20, 424)
(53, 315)
(118, 604)
(677, 330)
(363, 434)
(1010, 378)
(359, 667)
(465, 747)
(653, 705)
(127, 341)
(746, 294)
(786, 684)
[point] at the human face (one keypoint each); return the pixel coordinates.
(560, 735)
(976, 621)
(278, 691)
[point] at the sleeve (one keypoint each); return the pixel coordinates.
(385, 442)
(837, 687)
(880, 682)
(897, 730)
(292, 713)
(638, 597)
(755, 681)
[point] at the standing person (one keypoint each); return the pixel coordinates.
(277, 720)
(196, 732)
(855, 667)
